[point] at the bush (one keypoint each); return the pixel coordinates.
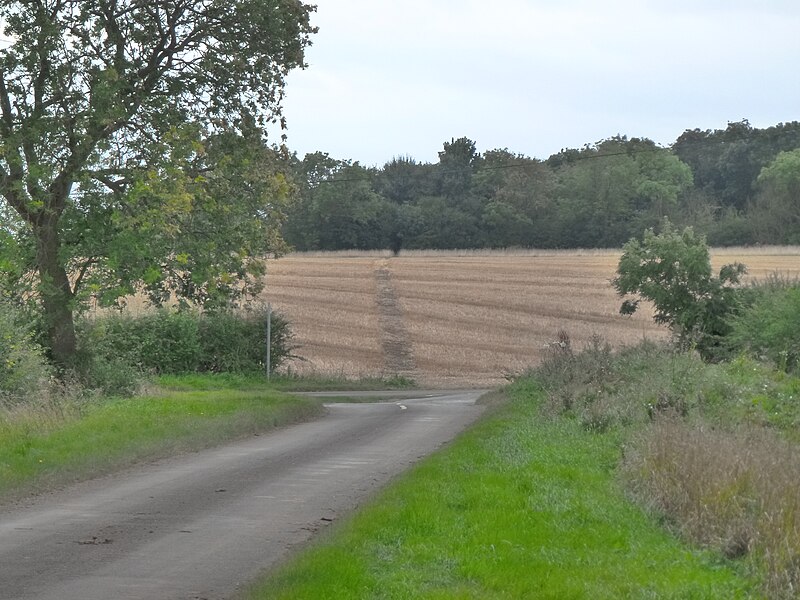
(172, 342)
(769, 328)
(604, 389)
(163, 341)
(673, 271)
(234, 342)
(106, 375)
(24, 370)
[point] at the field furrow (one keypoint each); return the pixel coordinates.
(462, 318)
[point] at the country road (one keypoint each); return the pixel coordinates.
(201, 525)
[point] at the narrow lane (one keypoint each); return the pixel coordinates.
(201, 525)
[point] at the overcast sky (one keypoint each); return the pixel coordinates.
(400, 77)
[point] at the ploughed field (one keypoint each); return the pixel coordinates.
(461, 319)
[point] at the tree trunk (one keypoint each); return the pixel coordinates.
(56, 292)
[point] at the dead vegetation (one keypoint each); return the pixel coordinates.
(735, 491)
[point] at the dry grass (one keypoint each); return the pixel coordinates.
(735, 491)
(470, 319)
(330, 302)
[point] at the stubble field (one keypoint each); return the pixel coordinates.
(461, 319)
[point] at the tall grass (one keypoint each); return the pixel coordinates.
(713, 449)
(735, 491)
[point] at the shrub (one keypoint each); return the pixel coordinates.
(107, 375)
(24, 369)
(604, 389)
(235, 342)
(769, 328)
(163, 341)
(171, 342)
(673, 271)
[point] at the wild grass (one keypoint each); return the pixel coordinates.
(69, 438)
(712, 449)
(518, 507)
(734, 491)
(286, 382)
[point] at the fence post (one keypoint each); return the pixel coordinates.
(269, 341)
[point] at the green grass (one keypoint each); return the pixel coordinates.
(762, 395)
(60, 440)
(518, 507)
(55, 443)
(63, 440)
(287, 383)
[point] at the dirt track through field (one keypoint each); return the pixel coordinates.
(395, 340)
(203, 524)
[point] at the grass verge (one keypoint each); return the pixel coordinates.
(62, 440)
(286, 383)
(711, 449)
(518, 507)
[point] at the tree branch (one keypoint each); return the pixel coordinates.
(87, 264)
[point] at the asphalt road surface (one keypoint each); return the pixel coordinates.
(201, 525)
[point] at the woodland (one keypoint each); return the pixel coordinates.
(737, 186)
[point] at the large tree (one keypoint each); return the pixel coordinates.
(613, 187)
(118, 129)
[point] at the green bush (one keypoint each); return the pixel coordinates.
(172, 342)
(163, 341)
(24, 370)
(106, 375)
(673, 271)
(604, 389)
(769, 328)
(234, 342)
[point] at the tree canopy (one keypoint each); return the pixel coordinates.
(732, 185)
(130, 145)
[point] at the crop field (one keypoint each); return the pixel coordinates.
(461, 318)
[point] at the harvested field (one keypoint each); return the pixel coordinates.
(461, 318)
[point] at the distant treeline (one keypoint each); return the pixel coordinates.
(739, 185)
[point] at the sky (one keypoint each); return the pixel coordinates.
(389, 78)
